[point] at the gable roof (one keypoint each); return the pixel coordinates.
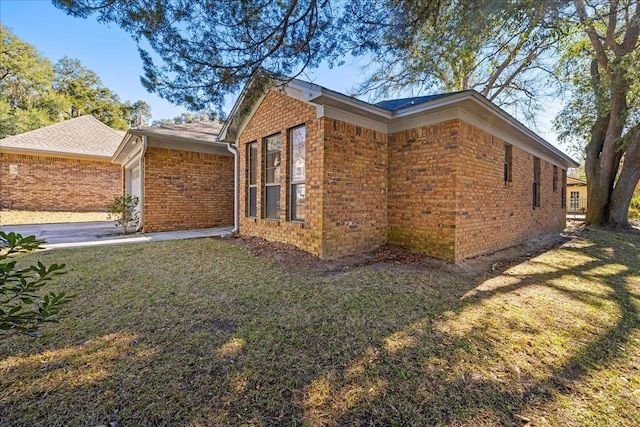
(83, 136)
(197, 137)
(201, 132)
(401, 114)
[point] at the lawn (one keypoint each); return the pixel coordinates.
(13, 217)
(202, 332)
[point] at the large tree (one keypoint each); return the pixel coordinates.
(205, 50)
(36, 93)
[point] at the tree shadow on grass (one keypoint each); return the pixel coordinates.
(234, 341)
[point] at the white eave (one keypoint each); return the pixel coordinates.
(131, 144)
(53, 153)
(469, 106)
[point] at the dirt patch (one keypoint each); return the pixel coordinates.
(389, 255)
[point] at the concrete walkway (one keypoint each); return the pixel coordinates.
(102, 233)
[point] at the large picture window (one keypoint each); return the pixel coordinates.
(252, 183)
(297, 136)
(271, 193)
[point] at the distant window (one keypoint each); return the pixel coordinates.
(563, 198)
(536, 182)
(555, 179)
(252, 172)
(574, 202)
(271, 152)
(297, 136)
(508, 163)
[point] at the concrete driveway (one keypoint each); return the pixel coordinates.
(100, 233)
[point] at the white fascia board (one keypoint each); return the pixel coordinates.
(345, 116)
(123, 145)
(509, 139)
(424, 119)
(522, 128)
(49, 153)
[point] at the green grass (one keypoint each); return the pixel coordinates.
(202, 333)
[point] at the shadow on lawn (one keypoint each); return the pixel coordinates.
(373, 346)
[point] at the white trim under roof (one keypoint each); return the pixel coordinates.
(468, 106)
(48, 153)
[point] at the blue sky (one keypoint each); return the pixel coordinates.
(112, 54)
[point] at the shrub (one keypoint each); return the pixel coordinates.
(22, 307)
(123, 211)
(633, 213)
(635, 203)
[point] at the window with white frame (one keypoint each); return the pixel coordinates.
(271, 154)
(252, 183)
(297, 138)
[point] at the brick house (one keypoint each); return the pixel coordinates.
(62, 167)
(452, 176)
(181, 174)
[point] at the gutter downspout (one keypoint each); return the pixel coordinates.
(236, 185)
(141, 166)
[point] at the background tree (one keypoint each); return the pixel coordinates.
(35, 93)
(185, 118)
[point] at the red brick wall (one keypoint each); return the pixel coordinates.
(57, 184)
(494, 214)
(355, 188)
(279, 113)
(422, 178)
(185, 190)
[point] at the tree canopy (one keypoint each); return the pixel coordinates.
(36, 93)
(513, 52)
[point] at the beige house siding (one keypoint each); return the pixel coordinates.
(49, 183)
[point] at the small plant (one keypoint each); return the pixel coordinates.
(22, 307)
(124, 211)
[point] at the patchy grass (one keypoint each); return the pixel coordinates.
(10, 217)
(201, 332)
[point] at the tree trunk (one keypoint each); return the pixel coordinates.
(626, 184)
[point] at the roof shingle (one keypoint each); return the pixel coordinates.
(84, 135)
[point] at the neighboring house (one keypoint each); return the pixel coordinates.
(452, 176)
(576, 195)
(62, 167)
(181, 174)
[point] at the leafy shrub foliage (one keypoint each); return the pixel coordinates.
(23, 308)
(123, 211)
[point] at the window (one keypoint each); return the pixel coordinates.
(297, 136)
(272, 176)
(252, 173)
(563, 196)
(574, 202)
(555, 179)
(508, 162)
(536, 182)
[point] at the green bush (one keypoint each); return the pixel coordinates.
(123, 211)
(635, 203)
(23, 309)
